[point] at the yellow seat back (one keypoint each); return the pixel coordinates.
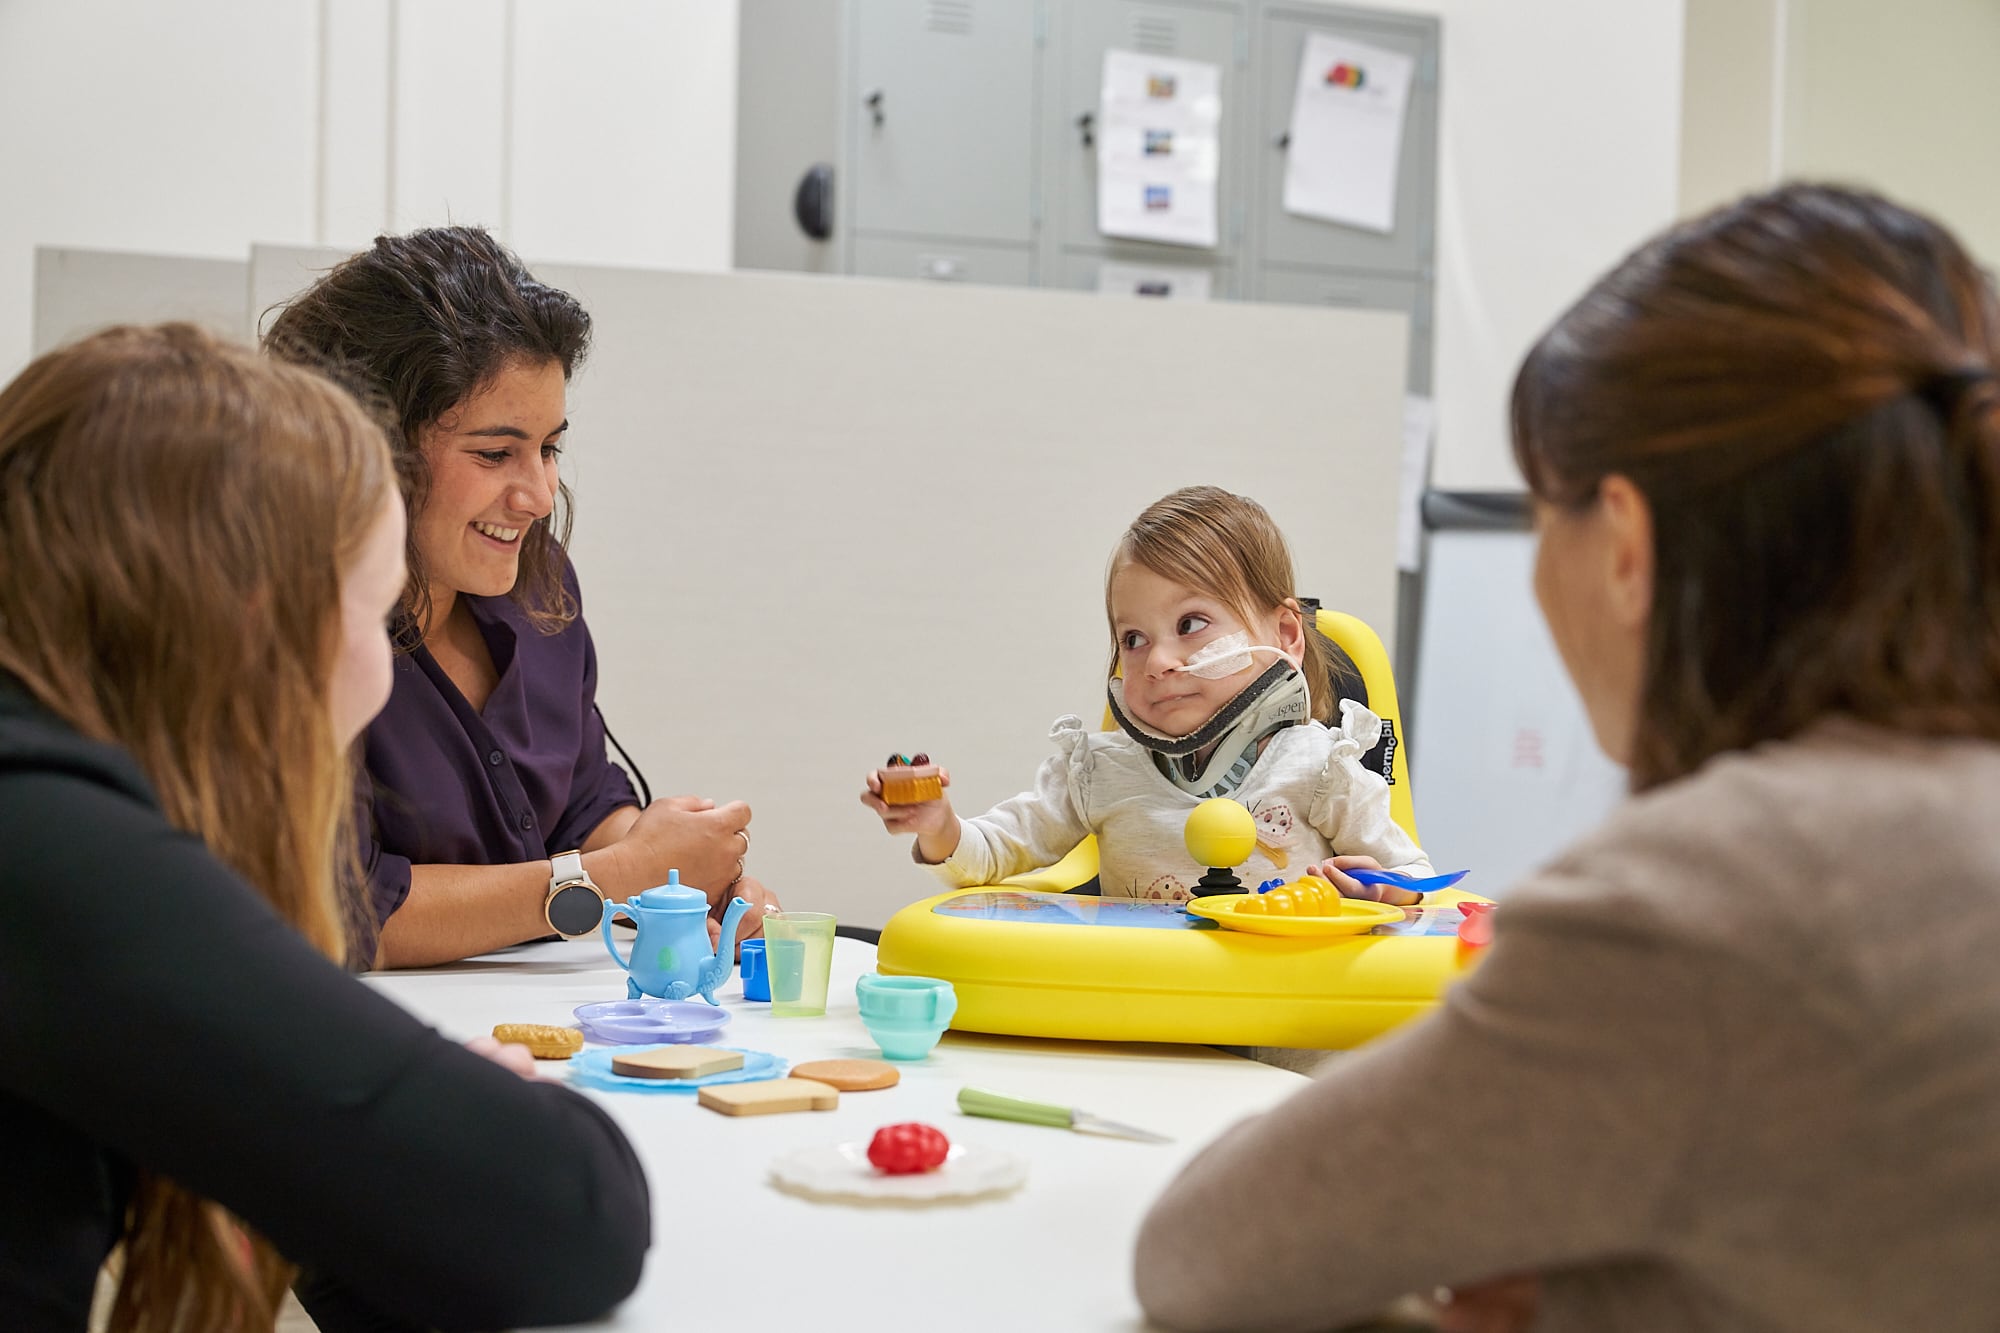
(1364, 648)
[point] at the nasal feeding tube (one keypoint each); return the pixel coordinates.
(1228, 655)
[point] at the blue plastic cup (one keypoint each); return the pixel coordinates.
(756, 975)
(905, 1015)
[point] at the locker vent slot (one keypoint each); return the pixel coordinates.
(1153, 34)
(952, 16)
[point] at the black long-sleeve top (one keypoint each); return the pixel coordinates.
(156, 1013)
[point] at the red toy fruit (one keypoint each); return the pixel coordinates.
(907, 1149)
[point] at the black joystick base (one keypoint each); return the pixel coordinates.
(1219, 879)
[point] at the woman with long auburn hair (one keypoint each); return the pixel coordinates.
(199, 551)
(1733, 1061)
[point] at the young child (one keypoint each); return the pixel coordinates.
(1221, 691)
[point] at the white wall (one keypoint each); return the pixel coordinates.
(603, 131)
(1903, 98)
(1897, 98)
(181, 128)
(1559, 152)
(1732, 117)
(659, 190)
(600, 130)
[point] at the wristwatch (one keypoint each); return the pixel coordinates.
(575, 905)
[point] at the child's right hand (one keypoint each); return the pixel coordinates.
(934, 822)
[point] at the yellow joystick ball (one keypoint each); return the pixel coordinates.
(1220, 832)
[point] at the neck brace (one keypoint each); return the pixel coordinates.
(1276, 699)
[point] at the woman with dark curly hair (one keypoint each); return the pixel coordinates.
(1734, 1060)
(493, 814)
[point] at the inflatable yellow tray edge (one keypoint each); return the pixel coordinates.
(1038, 964)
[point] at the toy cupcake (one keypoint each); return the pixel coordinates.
(910, 779)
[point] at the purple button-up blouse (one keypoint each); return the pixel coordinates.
(523, 780)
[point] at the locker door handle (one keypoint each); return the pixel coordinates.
(1086, 126)
(874, 104)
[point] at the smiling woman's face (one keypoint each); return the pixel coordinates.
(492, 461)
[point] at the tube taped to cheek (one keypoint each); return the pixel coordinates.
(1226, 656)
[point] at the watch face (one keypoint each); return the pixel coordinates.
(575, 909)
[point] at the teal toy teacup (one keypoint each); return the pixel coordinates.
(905, 1015)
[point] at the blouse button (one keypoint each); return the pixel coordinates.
(494, 757)
(527, 822)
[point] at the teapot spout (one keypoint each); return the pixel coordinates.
(726, 950)
(717, 969)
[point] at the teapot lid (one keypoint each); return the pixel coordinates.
(673, 896)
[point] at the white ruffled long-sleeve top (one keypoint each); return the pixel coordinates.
(1308, 791)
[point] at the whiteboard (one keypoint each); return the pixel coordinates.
(1503, 766)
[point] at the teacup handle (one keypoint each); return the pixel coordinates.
(944, 1003)
(611, 909)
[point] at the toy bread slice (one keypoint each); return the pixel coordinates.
(769, 1098)
(681, 1062)
(544, 1041)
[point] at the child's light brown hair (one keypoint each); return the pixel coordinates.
(1224, 546)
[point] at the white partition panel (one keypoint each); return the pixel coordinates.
(280, 272)
(79, 291)
(820, 519)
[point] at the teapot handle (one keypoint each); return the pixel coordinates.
(611, 909)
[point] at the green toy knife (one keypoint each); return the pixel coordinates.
(978, 1101)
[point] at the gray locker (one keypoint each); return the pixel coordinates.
(785, 122)
(941, 120)
(1289, 239)
(937, 259)
(1082, 270)
(1366, 291)
(961, 156)
(1214, 31)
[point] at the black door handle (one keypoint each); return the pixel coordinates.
(812, 202)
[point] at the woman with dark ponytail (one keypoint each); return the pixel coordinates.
(1734, 1060)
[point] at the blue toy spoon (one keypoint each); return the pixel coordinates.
(1428, 884)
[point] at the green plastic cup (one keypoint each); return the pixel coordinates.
(798, 953)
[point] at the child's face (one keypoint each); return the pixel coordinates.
(1159, 625)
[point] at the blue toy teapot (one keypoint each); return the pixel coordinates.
(671, 958)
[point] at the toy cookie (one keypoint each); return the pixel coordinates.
(850, 1075)
(910, 780)
(544, 1041)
